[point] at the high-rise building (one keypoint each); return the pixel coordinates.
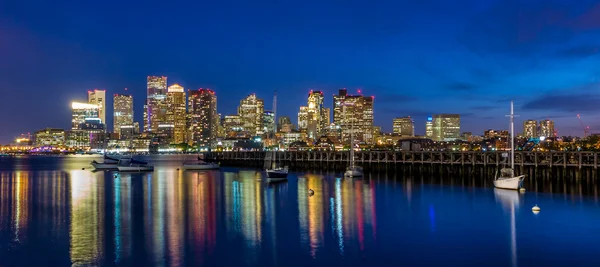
(283, 120)
(303, 119)
(204, 119)
(354, 113)
(325, 118)
(546, 128)
(530, 128)
(123, 112)
(404, 126)
(233, 126)
(446, 127)
(313, 118)
(429, 128)
(156, 103)
(98, 98)
(251, 114)
(81, 112)
(176, 113)
(269, 122)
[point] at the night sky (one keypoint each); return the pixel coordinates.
(417, 57)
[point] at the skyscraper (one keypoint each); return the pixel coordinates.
(283, 120)
(81, 112)
(268, 122)
(156, 103)
(446, 127)
(404, 126)
(354, 112)
(303, 119)
(313, 117)
(251, 114)
(429, 128)
(176, 113)
(546, 128)
(98, 98)
(122, 113)
(204, 124)
(530, 128)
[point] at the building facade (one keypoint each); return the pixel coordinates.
(429, 128)
(354, 113)
(176, 113)
(82, 111)
(546, 128)
(313, 117)
(251, 111)
(404, 126)
(204, 119)
(98, 98)
(530, 128)
(50, 137)
(156, 103)
(446, 127)
(282, 121)
(269, 123)
(122, 113)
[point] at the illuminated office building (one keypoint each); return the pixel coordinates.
(50, 137)
(530, 128)
(429, 128)
(122, 113)
(282, 122)
(98, 98)
(313, 117)
(156, 103)
(204, 119)
(303, 119)
(176, 113)
(404, 126)
(251, 111)
(81, 112)
(546, 128)
(233, 126)
(446, 127)
(354, 113)
(269, 122)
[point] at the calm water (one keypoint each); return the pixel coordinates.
(55, 213)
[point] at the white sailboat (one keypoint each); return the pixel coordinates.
(275, 173)
(352, 170)
(132, 165)
(108, 163)
(507, 178)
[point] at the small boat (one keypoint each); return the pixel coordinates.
(108, 163)
(277, 174)
(135, 166)
(352, 170)
(507, 178)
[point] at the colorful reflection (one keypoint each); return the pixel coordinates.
(311, 209)
(154, 215)
(122, 217)
(87, 218)
(202, 213)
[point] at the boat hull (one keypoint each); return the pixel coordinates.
(135, 168)
(200, 166)
(104, 166)
(353, 173)
(509, 183)
(276, 176)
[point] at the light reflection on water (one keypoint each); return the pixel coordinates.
(231, 218)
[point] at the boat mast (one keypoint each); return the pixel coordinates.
(274, 113)
(351, 138)
(512, 135)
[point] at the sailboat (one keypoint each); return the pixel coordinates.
(200, 164)
(352, 170)
(108, 163)
(132, 165)
(275, 173)
(507, 178)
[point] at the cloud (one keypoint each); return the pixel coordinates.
(461, 86)
(576, 103)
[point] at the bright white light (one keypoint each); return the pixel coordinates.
(80, 105)
(542, 138)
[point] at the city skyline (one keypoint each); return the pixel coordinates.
(474, 58)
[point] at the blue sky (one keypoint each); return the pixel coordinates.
(416, 57)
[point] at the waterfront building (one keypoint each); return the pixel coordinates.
(546, 128)
(234, 128)
(122, 113)
(404, 126)
(333, 132)
(50, 137)
(98, 98)
(156, 103)
(88, 135)
(82, 111)
(303, 119)
(446, 127)
(358, 116)
(251, 111)
(176, 113)
(313, 117)
(530, 128)
(291, 137)
(204, 119)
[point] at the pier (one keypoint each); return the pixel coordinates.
(392, 158)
